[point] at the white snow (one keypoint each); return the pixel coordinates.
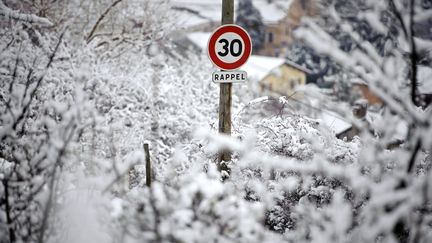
(424, 76)
(200, 39)
(192, 13)
(257, 67)
(80, 212)
(273, 12)
(334, 122)
(31, 18)
(196, 12)
(186, 19)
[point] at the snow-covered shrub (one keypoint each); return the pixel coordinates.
(319, 200)
(386, 50)
(199, 207)
(42, 116)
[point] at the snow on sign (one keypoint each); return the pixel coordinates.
(229, 47)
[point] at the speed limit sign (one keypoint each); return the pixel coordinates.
(229, 47)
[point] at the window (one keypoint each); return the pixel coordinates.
(294, 83)
(270, 37)
(303, 4)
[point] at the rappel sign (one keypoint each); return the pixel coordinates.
(229, 47)
(229, 77)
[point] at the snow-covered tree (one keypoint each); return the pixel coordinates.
(76, 111)
(384, 51)
(250, 18)
(42, 116)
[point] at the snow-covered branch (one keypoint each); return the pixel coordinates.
(7, 13)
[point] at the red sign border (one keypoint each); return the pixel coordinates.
(212, 43)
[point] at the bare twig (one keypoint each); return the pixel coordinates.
(29, 18)
(90, 35)
(398, 15)
(38, 83)
(413, 57)
(417, 148)
(408, 31)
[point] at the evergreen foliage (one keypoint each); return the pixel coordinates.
(250, 18)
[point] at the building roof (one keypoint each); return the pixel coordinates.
(195, 12)
(273, 12)
(257, 67)
(333, 121)
(297, 66)
(191, 13)
(200, 39)
(358, 81)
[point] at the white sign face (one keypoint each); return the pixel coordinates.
(229, 77)
(229, 47)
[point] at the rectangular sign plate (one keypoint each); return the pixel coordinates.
(229, 77)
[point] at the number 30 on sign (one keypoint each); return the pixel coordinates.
(229, 47)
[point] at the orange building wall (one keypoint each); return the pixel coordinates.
(367, 94)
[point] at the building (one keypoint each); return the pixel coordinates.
(278, 32)
(280, 18)
(362, 89)
(275, 75)
(272, 74)
(424, 89)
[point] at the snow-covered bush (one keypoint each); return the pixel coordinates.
(42, 116)
(74, 117)
(381, 195)
(199, 207)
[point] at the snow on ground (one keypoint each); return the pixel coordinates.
(81, 221)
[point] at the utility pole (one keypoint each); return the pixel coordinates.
(225, 93)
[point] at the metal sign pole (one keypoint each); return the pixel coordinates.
(225, 93)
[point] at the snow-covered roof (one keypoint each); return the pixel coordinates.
(358, 81)
(398, 129)
(333, 121)
(194, 12)
(191, 13)
(200, 39)
(425, 79)
(273, 12)
(185, 19)
(301, 68)
(257, 67)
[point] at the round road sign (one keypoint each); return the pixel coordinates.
(229, 47)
